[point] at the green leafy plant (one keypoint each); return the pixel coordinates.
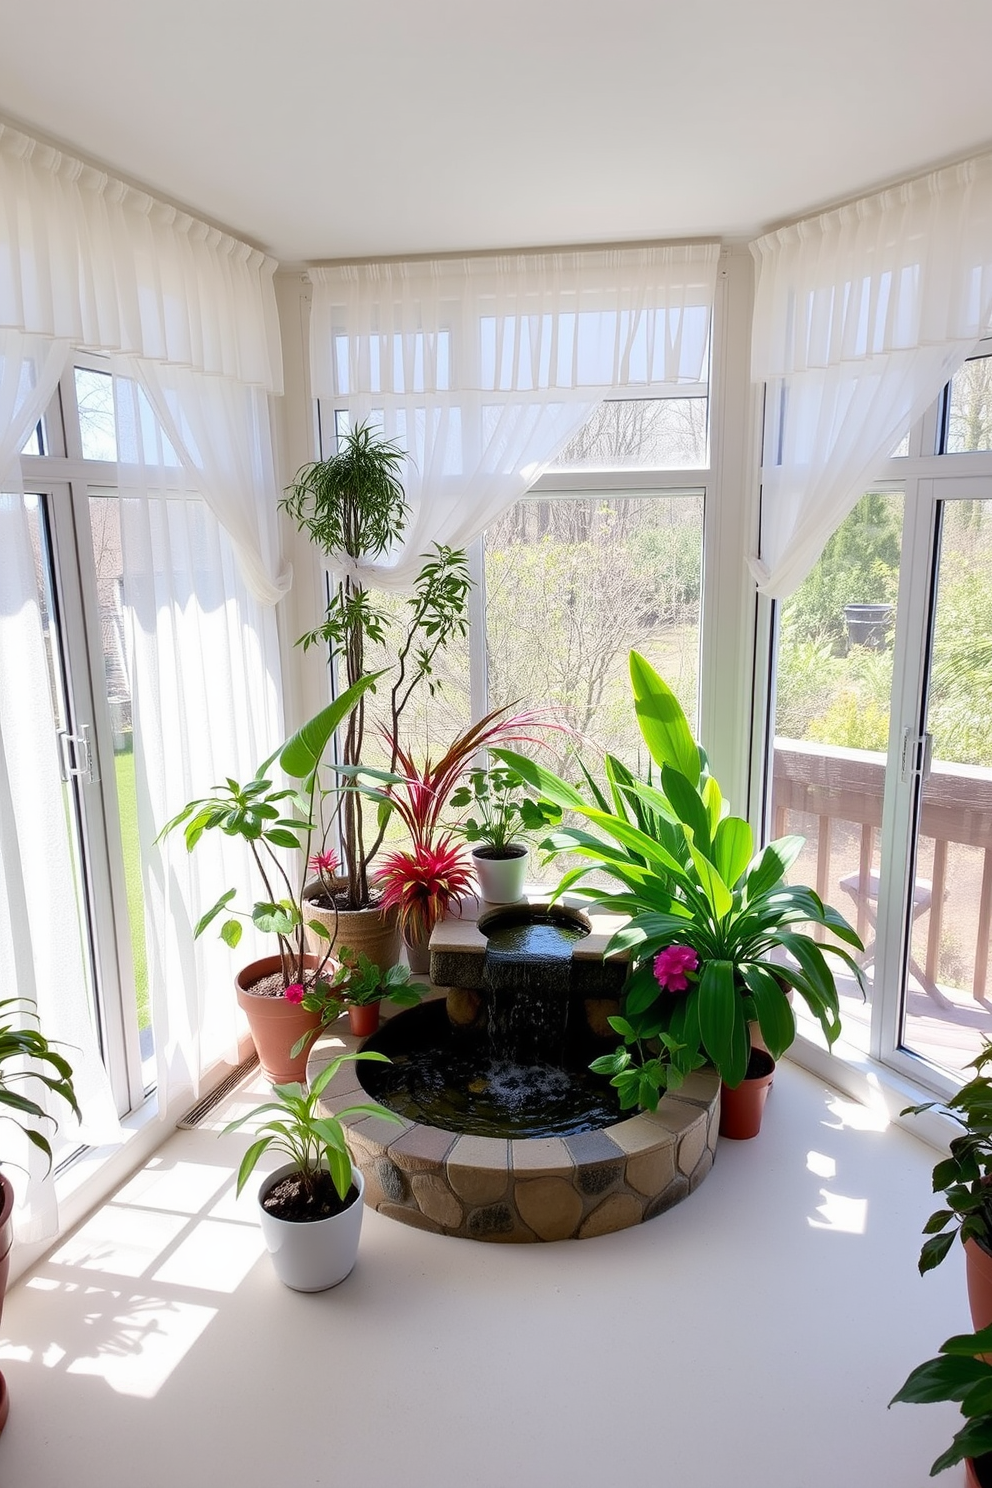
(357, 982)
(272, 818)
(689, 879)
(354, 508)
(965, 1177)
(960, 1373)
(502, 813)
(22, 1050)
(433, 873)
(308, 1138)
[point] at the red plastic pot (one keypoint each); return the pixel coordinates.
(364, 1020)
(741, 1108)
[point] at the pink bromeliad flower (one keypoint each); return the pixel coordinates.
(294, 992)
(325, 862)
(672, 965)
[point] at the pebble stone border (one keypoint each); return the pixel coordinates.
(530, 1189)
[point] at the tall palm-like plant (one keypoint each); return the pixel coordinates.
(354, 508)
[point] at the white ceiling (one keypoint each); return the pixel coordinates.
(338, 128)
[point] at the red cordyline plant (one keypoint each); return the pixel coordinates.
(424, 882)
(433, 873)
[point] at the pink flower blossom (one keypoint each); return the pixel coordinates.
(294, 992)
(671, 966)
(325, 862)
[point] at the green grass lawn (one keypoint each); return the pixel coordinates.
(127, 803)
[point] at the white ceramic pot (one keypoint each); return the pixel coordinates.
(501, 880)
(312, 1255)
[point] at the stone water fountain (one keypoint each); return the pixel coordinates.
(505, 1135)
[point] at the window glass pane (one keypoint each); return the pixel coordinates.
(651, 433)
(969, 408)
(947, 1012)
(572, 585)
(105, 527)
(833, 694)
(35, 443)
(95, 403)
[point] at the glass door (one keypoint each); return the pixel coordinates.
(94, 934)
(947, 765)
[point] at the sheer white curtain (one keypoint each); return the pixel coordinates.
(205, 671)
(861, 315)
(86, 257)
(40, 957)
(483, 368)
(221, 431)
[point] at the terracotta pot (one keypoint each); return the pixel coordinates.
(501, 879)
(741, 1109)
(367, 930)
(978, 1270)
(312, 1256)
(6, 1241)
(276, 1024)
(364, 1020)
(978, 1471)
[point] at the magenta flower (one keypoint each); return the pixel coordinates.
(325, 862)
(672, 965)
(294, 992)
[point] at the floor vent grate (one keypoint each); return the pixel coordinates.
(205, 1106)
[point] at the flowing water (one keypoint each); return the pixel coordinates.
(514, 1077)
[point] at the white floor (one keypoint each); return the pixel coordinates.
(752, 1336)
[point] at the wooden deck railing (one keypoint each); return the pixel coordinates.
(846, 785)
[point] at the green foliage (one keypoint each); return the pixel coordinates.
(308, 1138)
(26, 1055)
(356, 982)
(959, 1373)
(353, 506)
(688, 877)
(859, 565)
(502, 813)
(259, 813)
(964, 1178)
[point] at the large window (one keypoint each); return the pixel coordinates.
(883, 744)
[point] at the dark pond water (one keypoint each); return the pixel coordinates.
(450, 1078)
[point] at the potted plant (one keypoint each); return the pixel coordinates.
(424, 880)
(361, 987)
(965, 1180)
(354, 508)
(962, 1373)
(273, 818)
(310, 1208)
(25, 1056)
(502, 816)
(712, 930)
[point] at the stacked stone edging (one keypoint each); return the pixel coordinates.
(535, 1188)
